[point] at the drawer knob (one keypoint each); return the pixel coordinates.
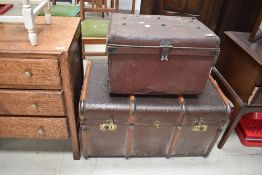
(40, 131)
(27, 74)
(34, 106)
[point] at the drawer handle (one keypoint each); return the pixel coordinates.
(40, 131)
(34, 106)
(27, 74)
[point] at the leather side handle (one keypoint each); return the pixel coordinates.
(84, 91)
(182, 102)
(225, 100)
(132, 110)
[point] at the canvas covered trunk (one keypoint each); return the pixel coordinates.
(132, 126)
(159, 54)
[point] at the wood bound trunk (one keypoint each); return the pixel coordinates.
(132, 126)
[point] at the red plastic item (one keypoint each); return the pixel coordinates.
(249, 130)
(4, 8)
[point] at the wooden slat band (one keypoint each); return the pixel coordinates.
(83, 98)
(84, 136)
(131, 127)
(130, 137)
(176, 135)
(84, 90)
(211, 145)
(177, 129)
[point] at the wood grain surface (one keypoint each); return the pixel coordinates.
(54, 38)
(69, 104)
(41, 82)
(29, 73)
(240, 63)
(28, 127)
(31, 102)
(72, 78)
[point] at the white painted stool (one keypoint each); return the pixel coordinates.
(28, 18)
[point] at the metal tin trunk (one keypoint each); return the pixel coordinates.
(132, 126)
(159, 54)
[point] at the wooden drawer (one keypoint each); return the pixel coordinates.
(29, 73)
(31, 102)
(28, 127)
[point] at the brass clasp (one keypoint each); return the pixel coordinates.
(109, 125)
(199, 126)
(157, 124)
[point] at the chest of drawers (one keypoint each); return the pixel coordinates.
(40, 86)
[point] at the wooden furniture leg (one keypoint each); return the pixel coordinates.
(117, 6)
(133, 6)
(112, 3)
(236, 116)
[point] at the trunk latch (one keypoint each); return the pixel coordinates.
(109, 125)
(199, 126)
(165, 45)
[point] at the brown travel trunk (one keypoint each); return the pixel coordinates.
(147, 126)
(159, 54)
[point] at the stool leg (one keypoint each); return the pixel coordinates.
(48, 13)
